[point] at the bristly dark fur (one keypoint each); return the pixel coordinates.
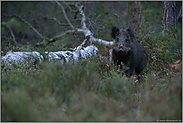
(128, 51)
(115, 32)
(129, 30)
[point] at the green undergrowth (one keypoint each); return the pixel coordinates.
(92, 90)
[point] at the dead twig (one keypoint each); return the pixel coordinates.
(65, 14)
(83, 17)
(59, 36)
(59, 23)
(70, 7)
(23, 20)
(80, 46)
(13, 36)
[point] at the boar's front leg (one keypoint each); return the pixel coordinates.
(115, 58)
(130, 72)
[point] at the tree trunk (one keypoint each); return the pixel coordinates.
(135, 15)
(170, 14)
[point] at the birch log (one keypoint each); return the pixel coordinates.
(60, 56)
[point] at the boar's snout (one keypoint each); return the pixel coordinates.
(122, 50)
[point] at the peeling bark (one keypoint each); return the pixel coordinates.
(60, 56)
(170, 14)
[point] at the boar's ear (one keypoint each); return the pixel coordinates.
(114, 32)
(130, 32)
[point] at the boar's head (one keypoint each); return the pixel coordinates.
(122, 40)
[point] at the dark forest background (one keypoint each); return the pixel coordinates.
(92, 90)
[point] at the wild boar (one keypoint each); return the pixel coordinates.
(128, 52)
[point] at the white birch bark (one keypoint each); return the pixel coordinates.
(60, 56)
